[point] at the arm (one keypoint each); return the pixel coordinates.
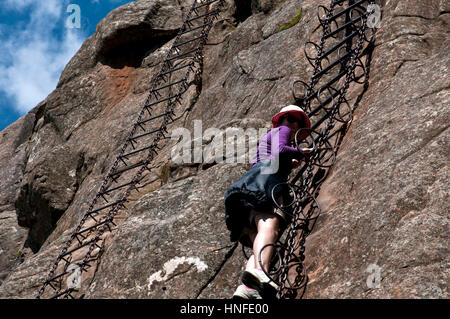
(264, 149)
(283, 147)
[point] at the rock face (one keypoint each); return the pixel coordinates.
(385, 200)
(13, 158)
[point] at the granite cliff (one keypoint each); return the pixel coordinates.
(385, 201)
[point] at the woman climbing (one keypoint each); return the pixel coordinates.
(250, 212)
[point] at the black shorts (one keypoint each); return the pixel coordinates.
(251, 194)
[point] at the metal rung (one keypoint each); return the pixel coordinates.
(188, 41)
(163, 100)
(106, 206)
(92, 227)
(138, 151)
(145, 134)
(79, 247)
(327, 53)
(196, 28)
(328, 68)
(203, 15)
(179, 68)
(115, 188)
(356, 4)
(329, 99)
(152, 118)
(56, 277)
(336, 78)
(129, 168)
(341, 28)
(319, 122)
(184, 54)
(168, 85)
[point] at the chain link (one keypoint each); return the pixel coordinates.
(295, 241)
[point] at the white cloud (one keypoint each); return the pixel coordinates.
(17, 4)
(34, 56)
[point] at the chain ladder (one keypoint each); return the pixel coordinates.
(301, 222)
(94, 237)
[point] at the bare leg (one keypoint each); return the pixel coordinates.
(268, 227)
(251, 264)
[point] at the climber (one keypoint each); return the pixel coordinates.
(250, 212)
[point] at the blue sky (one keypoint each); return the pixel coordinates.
(35, 45)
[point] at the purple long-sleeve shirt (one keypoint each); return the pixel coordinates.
(264, 150)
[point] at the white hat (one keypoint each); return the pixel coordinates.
(295, 111)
